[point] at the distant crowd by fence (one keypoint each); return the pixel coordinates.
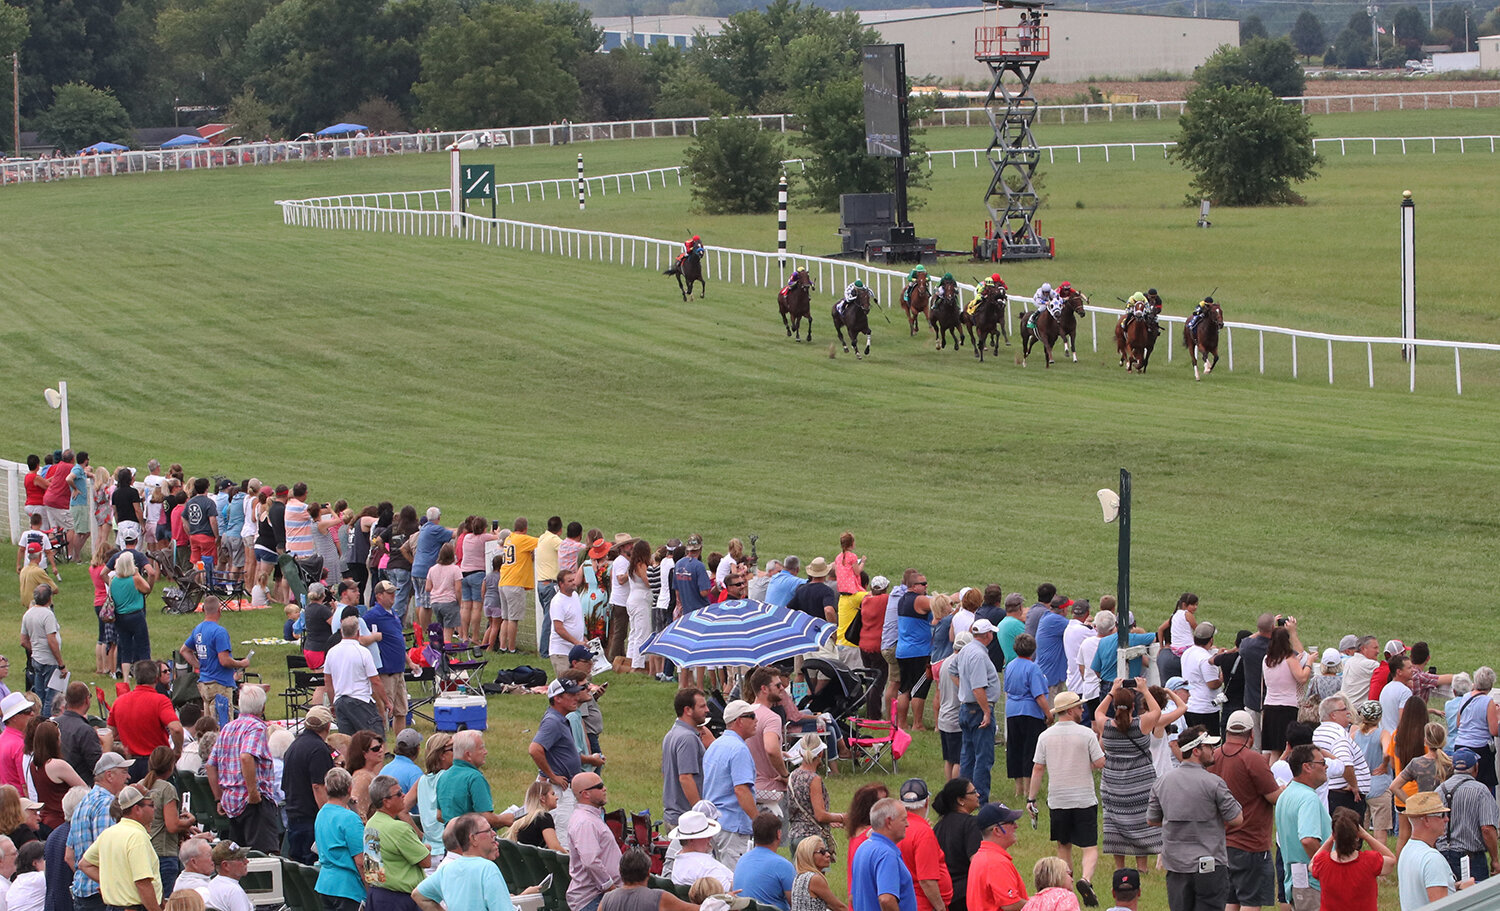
(426, 213)
(264, 153)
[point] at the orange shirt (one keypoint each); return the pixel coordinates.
(994, 880)
(519, 568)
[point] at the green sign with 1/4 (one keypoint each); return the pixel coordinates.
(478, 181)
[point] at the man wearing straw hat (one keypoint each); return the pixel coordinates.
(1069, 753)
(1422, 873)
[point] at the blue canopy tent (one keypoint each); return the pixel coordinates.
(103, 147)
(343, 129)
(186, 139)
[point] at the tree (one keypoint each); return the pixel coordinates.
(734, 165)
(1307, 34)
(1352, 49)
(1244, 146)
(1456, 19)
(251, 117)
(103, 43)
(379, 114)
(1252, 27)
(499, 66)
(82, 115)
(200, 48)
(1262, 61)
(1410, 26)
(619, 85)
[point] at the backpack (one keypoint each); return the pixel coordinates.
(524, 675)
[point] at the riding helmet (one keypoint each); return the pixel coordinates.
(859, 283)
(1152, 292)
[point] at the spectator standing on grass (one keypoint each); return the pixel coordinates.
(242, 776)
(59, 873)
(879, 879)
(994, 881)
(92, 817)
(41, 638)
(1302, 824)
(593, 853)
(808, 808)
(1027, 708)
(1332, 737)
(1122, 720)
(1194, 808)
(546, 566)
(121, 859)
(208, 651)
(1068, 753)
(682, 755)
(921, 852)
(554, 751)
(1252, 878)
(872, 611)
(1422, 873)
(359, 700)
(767, 685)
(392, 647)
(18, 713)
(430, 540)
(978, 691)
(80, 740)
(729, 782)
(1051, 657)
(341, 846)
(1285, 671)
(1472, 821)
(169, 822)
(1204, 679)
(1009, 628)
(1359, 668)
(1350, 877)
(913, 647)
(619, 590)
(1038, 610)
(129, 589)
(305, 764)
(1479, 723)
(517, 580)
(568, 627)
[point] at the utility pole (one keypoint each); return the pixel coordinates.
(1373, 10)
(15, 101)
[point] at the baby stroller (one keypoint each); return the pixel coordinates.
(835, 693)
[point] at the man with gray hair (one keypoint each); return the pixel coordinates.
(224, 891)
(779, 590)
(196, 857)
(242, 776)
(7, 865)
(359, 700)
(395, 854)
(1359, 668)
(1348, 773)
(430, 540)
(55, 851)
(464, 789)
(468, 878)
(978, 691)
(878, 877)
(41, 637)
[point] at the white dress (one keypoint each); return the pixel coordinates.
(638, 609)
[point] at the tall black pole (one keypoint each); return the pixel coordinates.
(1122, 582)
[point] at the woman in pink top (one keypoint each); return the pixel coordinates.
(445, 590)
(472, 538)
(1285, 672)
(1054, 886)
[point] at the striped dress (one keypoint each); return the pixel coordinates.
(1125, 787)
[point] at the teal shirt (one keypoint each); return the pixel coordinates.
(128, 599)
(463, 789)
(1010, 628)
(470, 883)
(341, 837)
(1299, 815)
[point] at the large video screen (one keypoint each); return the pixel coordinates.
(885, 84)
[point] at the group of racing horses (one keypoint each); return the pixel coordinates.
(982, 323)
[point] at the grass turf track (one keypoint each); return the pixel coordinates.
(193, 326)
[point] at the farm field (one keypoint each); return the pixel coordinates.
(193, 326)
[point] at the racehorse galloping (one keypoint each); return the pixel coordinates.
(689, 269)
(795, 301)
(1048, 330)
(946, 316)
(916, 300)
(855, 317)
(987, 322)
(1135, 341)
(1202, 339)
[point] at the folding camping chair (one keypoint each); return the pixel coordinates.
(872, 742)
(449, 665)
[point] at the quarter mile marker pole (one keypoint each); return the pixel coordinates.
(1122, 581)
(781, 227)
(1408, 274)
(580, 181)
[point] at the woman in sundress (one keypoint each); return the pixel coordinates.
(1125, 786)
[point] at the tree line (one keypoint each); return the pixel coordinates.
(1406, 31)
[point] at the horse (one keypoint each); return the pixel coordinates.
(795, 301)
(1049, 330)
(855, 318)
(916, 300)
(946, 316)
(987, 322)
(689, 269)
(1204, 338)
(1135, 341)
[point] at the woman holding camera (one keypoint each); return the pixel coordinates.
(1285, 674)
(1129, 773)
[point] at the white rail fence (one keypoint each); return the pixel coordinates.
(346, 148)
(379, 212)
(1358, 144)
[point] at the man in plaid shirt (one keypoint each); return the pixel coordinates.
(111, 774)
(247, 791)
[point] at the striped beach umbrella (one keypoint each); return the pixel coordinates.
(738, 632)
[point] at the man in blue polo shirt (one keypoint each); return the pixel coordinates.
(208, 651)
(1107, 658)
(729, 782)
(877, 869)
(554, 751)
(693, 584)
(390, 650)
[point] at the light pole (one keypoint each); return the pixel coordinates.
(58, 399)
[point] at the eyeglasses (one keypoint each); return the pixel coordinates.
(484, 831)
(376, 748)
(920, 582)
(822, 851)
(597, 787)
(971, 793)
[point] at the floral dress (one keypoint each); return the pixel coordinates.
(800, 819)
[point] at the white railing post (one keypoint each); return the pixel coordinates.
(1330, 362)
(1370, 362)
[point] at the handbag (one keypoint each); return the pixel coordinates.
(852, 631)
(107, 609)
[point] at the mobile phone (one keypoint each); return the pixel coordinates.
(1281, 621)
(250, 654)
(1432, 669)
(1128, 684)
(545, 884)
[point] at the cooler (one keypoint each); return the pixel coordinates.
(454, 712)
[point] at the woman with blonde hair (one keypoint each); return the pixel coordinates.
(730, 561)
(810, 890)
(184, 900)
(105, 660)
(536, 827)
(129, 589)
(421, 801)
(1054, 886)
(103, 506)
(808, 812)
(17, 821)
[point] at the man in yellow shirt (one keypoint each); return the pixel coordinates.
(546, 580)
(122, 860)
(517, 577)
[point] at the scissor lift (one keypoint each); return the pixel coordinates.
(1013, 50)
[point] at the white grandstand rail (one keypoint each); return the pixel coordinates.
(759, 269)
(1421, 144)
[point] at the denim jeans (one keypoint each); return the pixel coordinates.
(135, 639)
(545, 592)
(171, 867)
(401, 578)
(977, 756)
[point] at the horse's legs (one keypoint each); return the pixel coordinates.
(1193, 355)
(809, 325)
(1073, 346)
(788, 325)
(680, 286)
(867, 343)
(838, 326)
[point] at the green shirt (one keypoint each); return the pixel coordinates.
(463, 789)
(1010, 628)
(393, 851)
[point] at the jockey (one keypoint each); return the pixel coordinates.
(912, 277)
(1199, 312)
(988, 286)
(850, 294)
(1136, 307)
(1153, 301)
(947, 286)
(790, 281)
(693, 247)
(1045, 297)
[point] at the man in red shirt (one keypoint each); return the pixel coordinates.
(59, 494)
(994, 881)
(1252, 882)
(36, 488)
(921, 851)
(144, 719)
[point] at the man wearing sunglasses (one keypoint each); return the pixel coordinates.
(994, 881)
(593, 853)
(469, 879)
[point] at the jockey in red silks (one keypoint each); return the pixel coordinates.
(693, 247)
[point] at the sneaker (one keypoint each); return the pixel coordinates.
(1086, 889)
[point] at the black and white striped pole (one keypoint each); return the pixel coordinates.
(580, 181)
(1408, 274)
(781, 227)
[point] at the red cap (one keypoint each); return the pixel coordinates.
(995, 278)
